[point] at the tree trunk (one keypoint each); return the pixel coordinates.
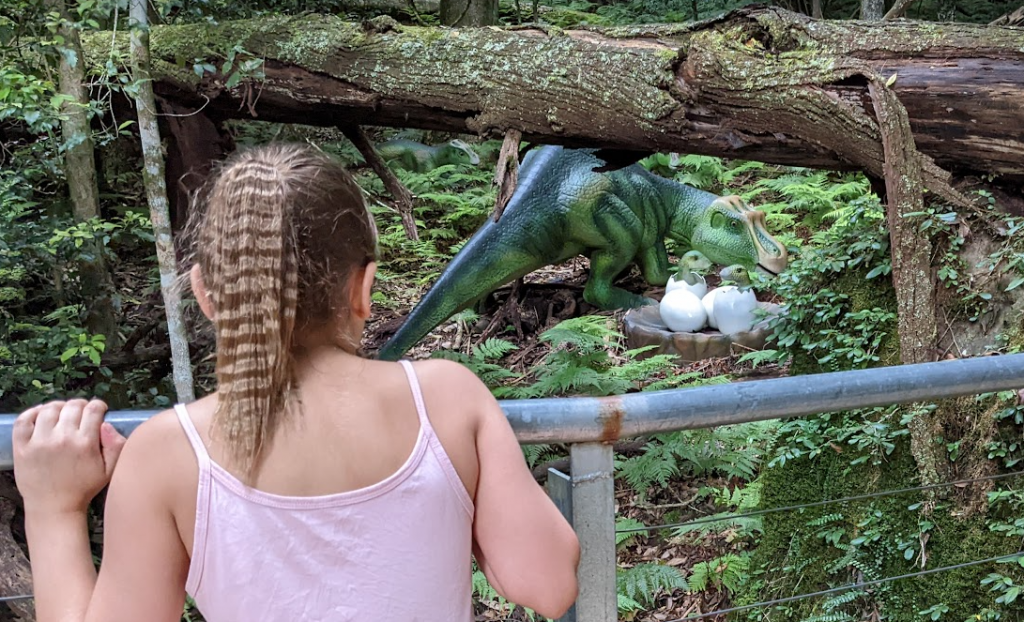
(872, 10)
(1014, 18)
(689, 89)
(156, 194)
(816, 9)
(80, 169)
(469, 12)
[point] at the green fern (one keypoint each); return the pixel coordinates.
(727, 572)
(485, 592)
(630, 536)
(642, 583)
(627, 605)
(733, 451)
(493, 349)
(535, 454)
(738, 501)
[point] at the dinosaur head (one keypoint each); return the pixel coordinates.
(695, 261)
(736, 275)
(457, 152)
(730, 232)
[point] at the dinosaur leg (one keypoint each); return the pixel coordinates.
(605, 265)
(654, 264)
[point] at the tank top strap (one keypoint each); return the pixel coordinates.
(193, 437)
(417, 395)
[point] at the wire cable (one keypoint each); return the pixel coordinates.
(788, 508)
(11, 599)
(845, 588)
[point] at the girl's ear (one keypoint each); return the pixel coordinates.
(195, 276)
(362, 290)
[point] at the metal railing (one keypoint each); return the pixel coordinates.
(590, 425)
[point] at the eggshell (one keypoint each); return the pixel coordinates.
(697, 290)
(734, 310)
(682, 312)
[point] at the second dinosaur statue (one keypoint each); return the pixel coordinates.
(413, 156)
(562, 208)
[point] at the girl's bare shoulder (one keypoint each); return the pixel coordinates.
(160, 445)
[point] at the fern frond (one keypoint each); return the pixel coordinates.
(627, 523)
(643, 582)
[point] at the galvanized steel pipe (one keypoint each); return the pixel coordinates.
(588, 419)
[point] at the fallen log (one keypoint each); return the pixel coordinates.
(763, 84)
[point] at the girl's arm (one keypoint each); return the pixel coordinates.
(524, 546)
(63, 456)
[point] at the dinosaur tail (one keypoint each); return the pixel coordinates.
(482, 266)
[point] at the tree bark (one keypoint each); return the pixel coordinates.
(159, 210)
(80, 170)
(1014, 18)
(762, 84)
(398, 192)
(898, 9)
(506, 172)
(463, 13)
(872, 10)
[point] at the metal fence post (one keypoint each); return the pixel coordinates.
(559, 487)
(593, 517)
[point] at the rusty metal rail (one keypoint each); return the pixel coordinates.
(606, 419)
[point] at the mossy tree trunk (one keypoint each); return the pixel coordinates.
(80, 170)
(762, 84)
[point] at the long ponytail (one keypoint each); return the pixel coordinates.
(253, 275)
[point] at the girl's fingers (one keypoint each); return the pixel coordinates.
(49, 415)
(71, 415)
(24, 424)
(112, 443)
(92, 418)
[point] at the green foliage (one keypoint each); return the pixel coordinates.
(727, 573)
(452, 201)
(838, 313)
(811, 198)
(740, 500)
(630, 536)
(866, 435)
(640, 585)
(732, 451)
(587, 357)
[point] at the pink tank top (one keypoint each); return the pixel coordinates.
(397, 550)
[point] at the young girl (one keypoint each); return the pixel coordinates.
(314, 484)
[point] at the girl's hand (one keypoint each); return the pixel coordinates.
(64, 454)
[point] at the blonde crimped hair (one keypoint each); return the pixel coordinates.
(283, 229)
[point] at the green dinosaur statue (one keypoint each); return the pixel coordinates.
(562, 208)
(413, 156)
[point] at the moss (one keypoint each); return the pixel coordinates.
(795, 557)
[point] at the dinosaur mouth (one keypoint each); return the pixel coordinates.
(771, 272)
